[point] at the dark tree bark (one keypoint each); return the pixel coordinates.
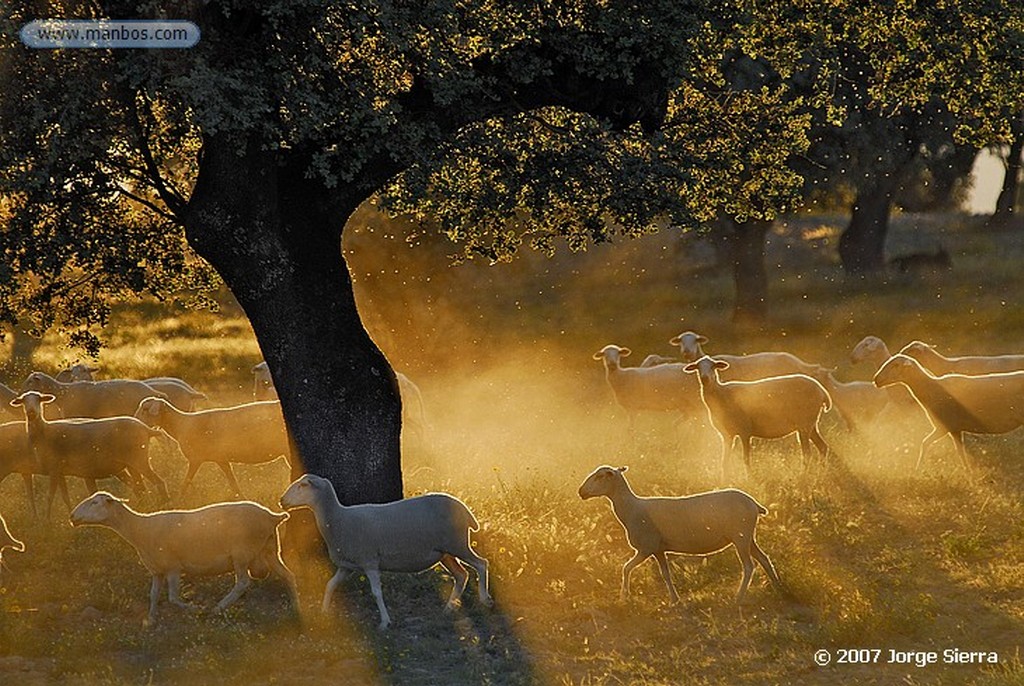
(275, 238)
(862, 244)
(746, 252)
(23, 348)
(1006, 203)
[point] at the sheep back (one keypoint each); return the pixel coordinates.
(699, 524)
(768, 408)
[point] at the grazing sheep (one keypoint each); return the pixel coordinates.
(958, 404)
(95, 399)
(701, 524)
(411, 535)
(252, 433)
(872, 351)
(972, 365)
(661, 388)
(239, 537)
(858, 402)
(413, 413)
(179, 392)
(768, 408)
(653, 360)
(7, 541)
(90, 448)
(745, 367)
(7, 394)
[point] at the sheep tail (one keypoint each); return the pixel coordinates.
(826, 403)
(761, 509)
(470, 520)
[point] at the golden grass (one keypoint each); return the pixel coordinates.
(876, 554)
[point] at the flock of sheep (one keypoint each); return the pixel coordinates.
(76, 426)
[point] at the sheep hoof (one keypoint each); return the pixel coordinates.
(449, 607)
(487, 602)
(383, 626)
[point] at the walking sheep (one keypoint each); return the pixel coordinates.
(768, 408)
(958, 404)
(971, 365)
(701, 524)
(745, 367)
(239, 537)
(661, 388)
(410, 536)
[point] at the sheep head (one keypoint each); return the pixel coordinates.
(706, 368)
(97, 509)
(32, 403)
(150, 410)
(612, 353)
(604, 480)
(868, 346)
(305, 491)
(38, 381)
(896, 370)
(690, 343)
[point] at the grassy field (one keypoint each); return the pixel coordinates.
(877, 555)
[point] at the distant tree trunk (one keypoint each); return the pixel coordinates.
(862, 244)
(746, 251)
(275, 238)
(23, 349)
(1006, 203)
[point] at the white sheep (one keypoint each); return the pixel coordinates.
(7, 541)
(114, 398)
(858, 402)
(178, 391)
(958, 404)
(239, 537)
(653, 360)
(972, 365)
(90, 448)
(767, 408)
(662, 388)
(252, 433)
(700, 524)
(413, 413)
(871, 350)
(410, 536)
(745, 367)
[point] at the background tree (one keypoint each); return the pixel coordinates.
(1006, 202)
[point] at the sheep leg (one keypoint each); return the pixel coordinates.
(373, 575)
(766, 564)
(276, 565)
(746, 451)
(480, 565)
(154, 597)
(90, 485)
(819, 442)
(958, 441)
(666, 574)
(461, 576)
(748, 571)
(332, 586)
(936, 435)
(57, 480)
(805, 447)
(230, 474)
(726, 448)
(193, 467)
(242, 582)
(174, 592)
(161, 488)
(30, 493)
(627, 571)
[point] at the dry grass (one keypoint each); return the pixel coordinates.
(876, 554)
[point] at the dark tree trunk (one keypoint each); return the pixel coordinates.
(1006, 203)
(275, 238)
(746, 251)
(23, 349)
(862, 244)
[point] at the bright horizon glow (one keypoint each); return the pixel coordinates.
(987, 180)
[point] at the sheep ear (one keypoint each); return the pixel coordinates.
(47, 398)
(721, 364)
(16, 402)
(625, 352)
(621, 469)
(675, 340)
(702, 339)
(692, 367)
(599, 355)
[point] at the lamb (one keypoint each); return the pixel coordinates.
(700, 524)
(179, 392)
(7, 541)
(871, 350)
(858, 402)
(252, 433)
(411, 535)
(95, 399)
(239, 537)
(661, 388)
(745, 367)
(90, 448)
(768, 408)
(16, 457)
(973, 365)
(413, 413)
(958, 404)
